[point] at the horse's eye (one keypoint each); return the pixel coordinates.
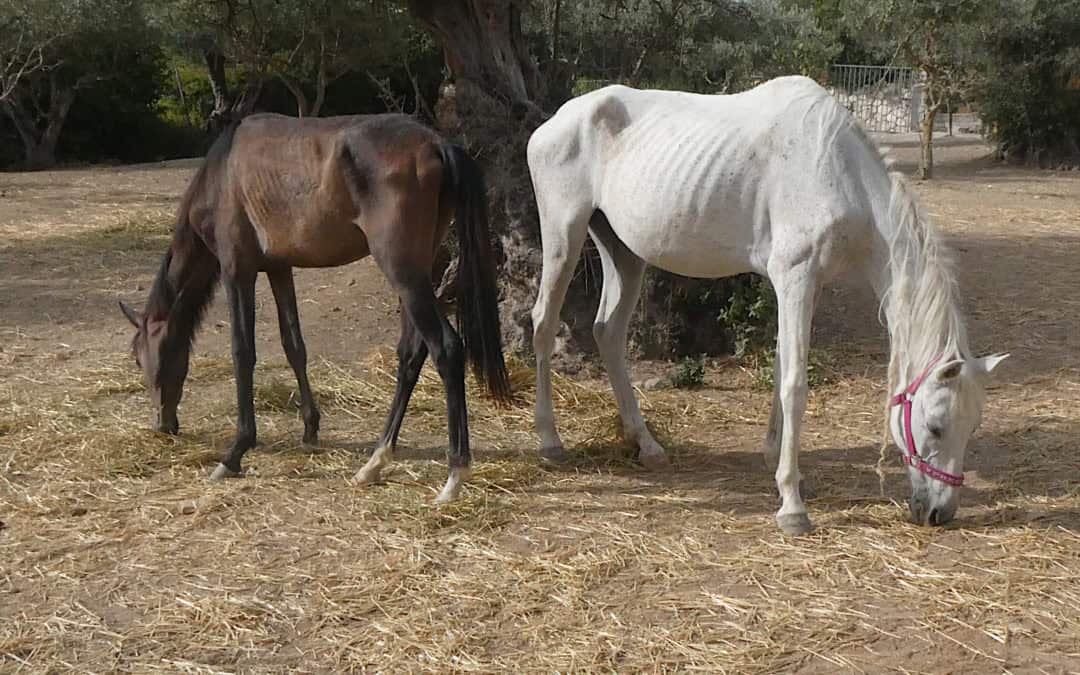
(936, 432)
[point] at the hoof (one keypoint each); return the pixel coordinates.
(655, 461)
(368, 475)
(794, 524)
(452, 490)
(372, 471)
(447, 497)
(221, 471)
(311, 440)
(554, 454)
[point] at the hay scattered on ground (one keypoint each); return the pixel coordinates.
(121, 557)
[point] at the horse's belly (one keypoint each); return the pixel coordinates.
(310, 240)
(703, 245)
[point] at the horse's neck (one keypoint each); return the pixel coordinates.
(913, 285)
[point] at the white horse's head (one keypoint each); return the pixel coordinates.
(945, 409)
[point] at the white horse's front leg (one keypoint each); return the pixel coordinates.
(795, 290)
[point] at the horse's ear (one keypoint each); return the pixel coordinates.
(986, 364)
(134, 317)
(948, 372)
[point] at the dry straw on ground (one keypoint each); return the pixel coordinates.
(118, 557)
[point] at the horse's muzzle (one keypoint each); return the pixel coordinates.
(923, 513)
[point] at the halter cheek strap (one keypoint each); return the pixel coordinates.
(911, 457)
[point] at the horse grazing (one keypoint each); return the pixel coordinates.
(277, 192)
(780, 181)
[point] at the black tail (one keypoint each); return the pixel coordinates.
(477, 295)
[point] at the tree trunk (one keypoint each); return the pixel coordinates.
(40, 140)
(321, 82)
(488, 103)
(926, 159)
(484, 45)
(302, 108)
(556, 29)
(229, 106)
(215, 68)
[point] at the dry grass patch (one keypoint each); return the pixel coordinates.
(122, 558)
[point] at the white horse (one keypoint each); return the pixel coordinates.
(780, 181)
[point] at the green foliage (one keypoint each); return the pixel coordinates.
(682, 316)
(762, 364)
(187, 98)
(103, 70)
(1029, 92)
(143, 86)
(695, 45)
(690, 374)
(749, 316)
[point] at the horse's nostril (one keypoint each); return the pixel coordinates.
(933, 517)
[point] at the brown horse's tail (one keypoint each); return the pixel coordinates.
(477, 294)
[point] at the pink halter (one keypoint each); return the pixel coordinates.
(911, 457)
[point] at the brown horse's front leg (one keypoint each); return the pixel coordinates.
(292, 341)
(241, 292)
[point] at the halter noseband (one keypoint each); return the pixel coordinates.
(911, 457)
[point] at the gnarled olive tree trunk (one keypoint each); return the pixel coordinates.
(492, 102)
(489, 104)
(39, 127)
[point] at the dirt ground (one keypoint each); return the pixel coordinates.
(117, 556)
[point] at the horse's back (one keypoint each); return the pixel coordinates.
(694, 183)
(307, 186)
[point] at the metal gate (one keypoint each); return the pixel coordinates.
(882, 98)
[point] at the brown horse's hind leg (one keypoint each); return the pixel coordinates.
(281, 282)
(412, 352)
(241, 292)
(448, 355)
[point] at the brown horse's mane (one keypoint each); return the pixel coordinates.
(192, 264)
(182, 309)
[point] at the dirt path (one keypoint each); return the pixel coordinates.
(116, 556)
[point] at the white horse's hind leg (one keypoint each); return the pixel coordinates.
(562, 236)
(623, 273)
(795, 290)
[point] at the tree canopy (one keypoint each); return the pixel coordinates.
(184, 66)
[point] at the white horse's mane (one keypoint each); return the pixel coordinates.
(921, 304)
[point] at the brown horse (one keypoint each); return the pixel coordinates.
(278, 192)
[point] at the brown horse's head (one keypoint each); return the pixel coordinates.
(164, 367)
